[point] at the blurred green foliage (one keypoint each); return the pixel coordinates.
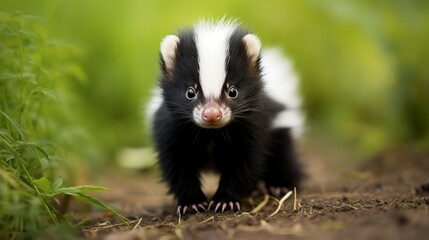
(75, 75)
(362, 63)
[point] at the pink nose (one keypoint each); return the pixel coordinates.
(211, 114)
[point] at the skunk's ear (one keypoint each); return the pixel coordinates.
(168, 51)
(253, 47)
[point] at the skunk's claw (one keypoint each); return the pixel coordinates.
(217, 206)
(237, 204)
(191, 208)
(222, 206)
(210, 205)
(203, 206)
(195, 208)
(179, 212)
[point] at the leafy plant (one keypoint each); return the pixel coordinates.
(31, 119)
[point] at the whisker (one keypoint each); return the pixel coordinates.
(196, 137)
(227, 134)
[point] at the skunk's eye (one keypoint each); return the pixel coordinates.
(191, 93)
(232, 92)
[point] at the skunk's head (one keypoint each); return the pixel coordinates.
(211, 74)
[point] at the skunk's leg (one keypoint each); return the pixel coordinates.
(283, 169)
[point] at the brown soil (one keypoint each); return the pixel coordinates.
(385, 198)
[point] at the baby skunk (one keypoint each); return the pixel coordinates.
(222, 105)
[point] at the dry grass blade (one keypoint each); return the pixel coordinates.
(281, 203)
(179, 232)
(107, 225)
(207, 220)
(294, 198)
(180, 219)
(347, 206)
(261, 205)
(275, 199)
(137, 224)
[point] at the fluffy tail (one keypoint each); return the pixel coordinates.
(282, 84)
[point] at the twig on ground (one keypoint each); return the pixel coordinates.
(294, 198)
(345, 206)
(179, 233)
(137, 224)
(101, 226)
(281, 203)
(275, 199)
(207, 220)
(261, 205)
(180, 219)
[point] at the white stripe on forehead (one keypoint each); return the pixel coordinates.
(212, 40)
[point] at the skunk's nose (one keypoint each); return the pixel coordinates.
(211, 114)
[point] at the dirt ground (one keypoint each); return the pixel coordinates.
(386, 197)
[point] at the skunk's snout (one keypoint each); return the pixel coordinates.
(211, 114)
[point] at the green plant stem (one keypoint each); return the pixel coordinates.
(53, 217)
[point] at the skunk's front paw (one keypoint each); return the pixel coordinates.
(224, 205)
(191, 208)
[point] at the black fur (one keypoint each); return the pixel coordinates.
(245, 151)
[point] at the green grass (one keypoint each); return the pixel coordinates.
(31, 120)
